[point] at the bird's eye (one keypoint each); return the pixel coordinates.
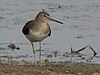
(44, 15)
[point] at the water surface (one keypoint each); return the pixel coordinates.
(81, 27)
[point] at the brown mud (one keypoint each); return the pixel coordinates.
(49, 68)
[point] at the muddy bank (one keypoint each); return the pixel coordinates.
(62, 68)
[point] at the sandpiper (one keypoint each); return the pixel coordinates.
(38, 29)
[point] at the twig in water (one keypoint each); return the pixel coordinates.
(76, 52)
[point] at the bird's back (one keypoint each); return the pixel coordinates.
(36, 27)
(36, 31)
(26, 28)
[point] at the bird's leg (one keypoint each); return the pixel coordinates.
(34, 53)
(40, 51)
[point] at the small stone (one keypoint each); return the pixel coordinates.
(67, 71)
(79, 73)
(96, 74)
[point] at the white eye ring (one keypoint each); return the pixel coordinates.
(44, 15)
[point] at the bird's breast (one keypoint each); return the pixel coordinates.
(36, 36)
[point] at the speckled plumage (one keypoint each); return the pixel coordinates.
(37, 26)
(38, 29)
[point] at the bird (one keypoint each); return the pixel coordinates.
(38, 29)
(13, 46)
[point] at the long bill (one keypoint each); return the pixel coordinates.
(54, 20)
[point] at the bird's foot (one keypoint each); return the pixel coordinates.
(43, 63)
(35, 63)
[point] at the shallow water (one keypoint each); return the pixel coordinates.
(81, 27)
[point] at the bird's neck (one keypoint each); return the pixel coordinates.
(41, 21)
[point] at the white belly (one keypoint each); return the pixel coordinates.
(36, 36)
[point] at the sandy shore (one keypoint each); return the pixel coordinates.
(62, 68)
